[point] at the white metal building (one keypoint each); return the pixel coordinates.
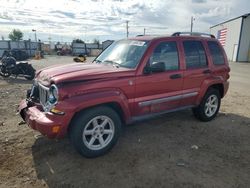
(234, 36)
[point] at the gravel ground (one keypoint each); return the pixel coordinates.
(174, 150)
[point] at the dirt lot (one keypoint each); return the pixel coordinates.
(155, 153)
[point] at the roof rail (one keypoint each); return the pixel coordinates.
(193, 34)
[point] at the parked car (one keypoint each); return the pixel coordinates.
(62, 52)
(131, 80)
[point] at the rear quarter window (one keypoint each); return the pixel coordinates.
(216, 53)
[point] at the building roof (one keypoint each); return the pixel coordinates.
(244, 16)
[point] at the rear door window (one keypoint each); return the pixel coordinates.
(216, 53)
(195, 55)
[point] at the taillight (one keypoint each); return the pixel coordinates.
(228, 75)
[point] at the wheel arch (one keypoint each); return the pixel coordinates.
(208, 85)
(218, 87)
(113, 105)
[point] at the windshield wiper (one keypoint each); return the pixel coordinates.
(97, 61)
(117, 65)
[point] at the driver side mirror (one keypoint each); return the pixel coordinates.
(154, 68)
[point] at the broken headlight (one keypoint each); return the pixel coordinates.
(53, 94)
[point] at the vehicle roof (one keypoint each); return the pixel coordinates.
(159, 37)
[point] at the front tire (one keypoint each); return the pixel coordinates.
(209, 106)
(4, 73)
(95, 131)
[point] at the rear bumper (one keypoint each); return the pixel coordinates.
(44, 122)
(226, 86)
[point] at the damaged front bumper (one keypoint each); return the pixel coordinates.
(47, 123)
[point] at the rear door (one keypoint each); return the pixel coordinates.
(160, 91)
(196, 71)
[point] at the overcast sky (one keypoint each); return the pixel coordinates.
(65, 20)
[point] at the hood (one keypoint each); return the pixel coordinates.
(80, 72)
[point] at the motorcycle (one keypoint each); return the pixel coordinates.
(9, 67)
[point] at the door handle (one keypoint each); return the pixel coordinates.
(207, 71)
(175, 76)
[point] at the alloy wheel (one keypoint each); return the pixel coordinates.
(98, 132)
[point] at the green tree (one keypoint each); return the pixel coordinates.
(16, 35)
(96, 41)
(78, 41)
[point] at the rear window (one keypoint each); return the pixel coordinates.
(194, 54)
(216, 52)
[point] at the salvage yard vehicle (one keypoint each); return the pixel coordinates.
(81, 58)
(9, 66)
(131, 80)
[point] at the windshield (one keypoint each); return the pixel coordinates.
(123, 53)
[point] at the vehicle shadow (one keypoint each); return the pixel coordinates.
(156, 153)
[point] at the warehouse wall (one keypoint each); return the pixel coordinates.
(244, 49)
(232, 38)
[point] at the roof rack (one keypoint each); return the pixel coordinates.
(193, 34)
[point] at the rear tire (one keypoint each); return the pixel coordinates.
(209, 106)
(95, 131)
(31, 77)
(31, 72)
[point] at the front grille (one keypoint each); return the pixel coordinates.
(43, 94)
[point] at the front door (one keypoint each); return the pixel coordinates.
(160, 91)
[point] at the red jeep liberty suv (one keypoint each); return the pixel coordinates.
(131, 80)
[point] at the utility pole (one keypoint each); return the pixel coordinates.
(127, 28)
(192, 23)
(85, 34)
(144, 31)
(35, 34)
